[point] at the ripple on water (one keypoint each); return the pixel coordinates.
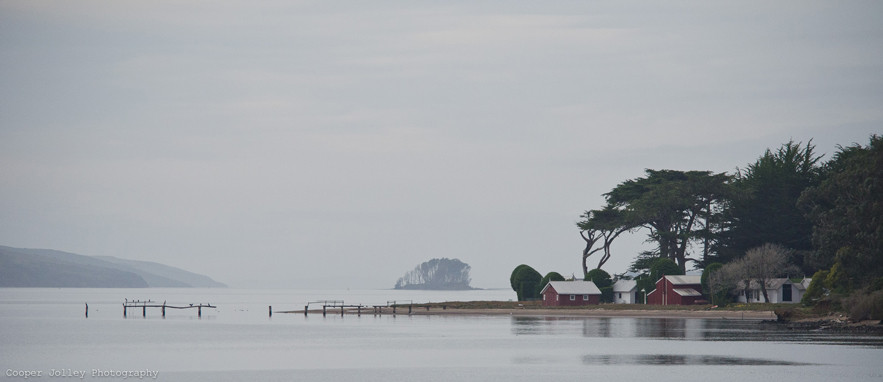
(689, 360)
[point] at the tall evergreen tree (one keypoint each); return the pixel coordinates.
(847, 211)
(763, 208)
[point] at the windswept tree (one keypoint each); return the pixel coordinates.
(678, 208)
(601, 227)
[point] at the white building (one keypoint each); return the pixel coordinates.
(625, 292)
(779, 291)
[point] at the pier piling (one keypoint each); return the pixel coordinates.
(150, 304)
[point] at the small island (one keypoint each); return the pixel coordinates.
(437, 274)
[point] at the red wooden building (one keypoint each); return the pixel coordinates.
(571, 293)
(677, 290)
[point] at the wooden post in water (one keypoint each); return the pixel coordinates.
(323, 310)
(306, 310)
(124, 310)
(144, 310)
(87, 310)
(359, 311)
(393, 308)
(199, 310)
(409, 309)
(271, 310)
(341, 310)
(164, 309)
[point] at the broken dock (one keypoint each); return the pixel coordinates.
(135, 304)
(391, 307)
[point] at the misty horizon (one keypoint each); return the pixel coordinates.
(336, 145)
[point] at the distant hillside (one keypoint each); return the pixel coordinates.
(48, 268)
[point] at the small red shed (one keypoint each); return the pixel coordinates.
(677, 290)
(571, 293)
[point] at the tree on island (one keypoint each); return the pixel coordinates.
(444, 274)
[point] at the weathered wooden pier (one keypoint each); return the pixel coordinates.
(327, 305)
(334, 304)
(135, 304)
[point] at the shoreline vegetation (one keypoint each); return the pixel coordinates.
(792, 317)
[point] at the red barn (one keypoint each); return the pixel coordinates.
(571, 293)
(677, 290)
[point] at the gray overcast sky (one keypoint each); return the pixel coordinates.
(341, 143)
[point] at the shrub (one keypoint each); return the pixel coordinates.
(866, 306)
(603, 281)
(525, 282)
(599, 277)
(514, 273)
(663, 267)
(606, 294)
(837, 281)
(816, 289)
(713, 284)
(645, 285)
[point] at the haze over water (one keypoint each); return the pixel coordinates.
(45, 329)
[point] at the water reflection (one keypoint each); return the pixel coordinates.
(537, 325)
(671, 359)
(690, 329)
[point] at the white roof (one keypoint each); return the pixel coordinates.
(684, 279)
(687, 292)
(573, 287)
(625, 286)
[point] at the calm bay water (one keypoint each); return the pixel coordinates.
(45, 329)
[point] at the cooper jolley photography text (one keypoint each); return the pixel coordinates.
(81, 374)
